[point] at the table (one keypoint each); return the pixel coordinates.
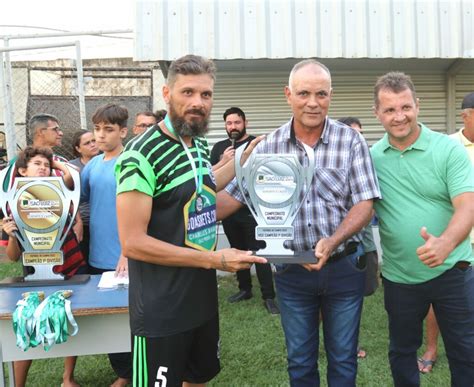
(102, 317)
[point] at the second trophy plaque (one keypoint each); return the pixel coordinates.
(43, 210)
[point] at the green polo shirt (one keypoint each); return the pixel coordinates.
(417, 186)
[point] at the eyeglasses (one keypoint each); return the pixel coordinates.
(56, 129)
(144, 126)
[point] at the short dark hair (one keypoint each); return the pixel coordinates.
(468, 101)
(28, 153)
(190, 65)
(111, 114)
(160, 115)
(350, 120)
(146, 113)
(234, 110)
(394, 81)
(76, 141)
(37, 120)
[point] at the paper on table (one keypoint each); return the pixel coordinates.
(110, 281)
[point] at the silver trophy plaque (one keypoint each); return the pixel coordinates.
(43, 210)
(274, 187)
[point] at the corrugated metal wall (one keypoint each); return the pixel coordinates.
(260, 95)
(249, 29)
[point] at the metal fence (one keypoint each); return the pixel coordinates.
(14, 100)
(52, 89)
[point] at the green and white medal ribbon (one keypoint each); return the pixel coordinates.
(200, 211)
(23, 319)
(51, 319)
(198, 178)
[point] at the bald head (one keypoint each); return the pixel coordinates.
(309, 95)
(309, 65)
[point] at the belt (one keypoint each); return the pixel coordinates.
(350, 248)
(463, 265)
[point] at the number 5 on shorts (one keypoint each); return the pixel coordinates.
(160, 377)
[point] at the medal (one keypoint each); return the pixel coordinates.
(200, 211)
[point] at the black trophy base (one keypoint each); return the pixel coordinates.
(20, 282)
(299, 257)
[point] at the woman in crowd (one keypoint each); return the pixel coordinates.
(84, 148)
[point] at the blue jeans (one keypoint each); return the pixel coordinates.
(337, 291)
(452, 296)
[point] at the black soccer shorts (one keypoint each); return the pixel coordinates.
(191, 356)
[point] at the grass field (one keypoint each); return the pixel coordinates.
(252, 348)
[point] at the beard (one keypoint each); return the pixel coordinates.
(236, 135)
(193, 128)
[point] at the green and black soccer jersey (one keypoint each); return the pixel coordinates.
(164, 300)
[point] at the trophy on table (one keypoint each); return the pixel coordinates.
(43, 209)
(274, 187)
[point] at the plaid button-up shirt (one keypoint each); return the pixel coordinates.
(343, 176)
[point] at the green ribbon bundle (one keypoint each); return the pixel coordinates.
(23, 322)
(51, 318)
(48, 324)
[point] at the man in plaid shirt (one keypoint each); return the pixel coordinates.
(338, 206)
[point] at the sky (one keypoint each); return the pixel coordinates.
(19, 17)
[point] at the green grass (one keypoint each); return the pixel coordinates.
(252, 348)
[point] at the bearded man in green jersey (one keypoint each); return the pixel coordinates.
(166, 208)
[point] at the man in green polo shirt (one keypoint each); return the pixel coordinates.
(426, 214)
(465, 136)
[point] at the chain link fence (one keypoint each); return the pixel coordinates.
(51, 87)
(51, 90)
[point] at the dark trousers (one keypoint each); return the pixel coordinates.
(241, 235)
(371, 259)
(337, 292)
(84, 244)
(120, 362)
(451, 295)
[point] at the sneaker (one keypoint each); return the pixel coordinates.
(271, 306)
(240, 296)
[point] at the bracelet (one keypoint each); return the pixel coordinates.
(223, 262)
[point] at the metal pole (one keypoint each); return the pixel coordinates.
(2, 82)
(80, 86)
(20, 48)
(69, 33)
(10, 135)
(451, 74)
